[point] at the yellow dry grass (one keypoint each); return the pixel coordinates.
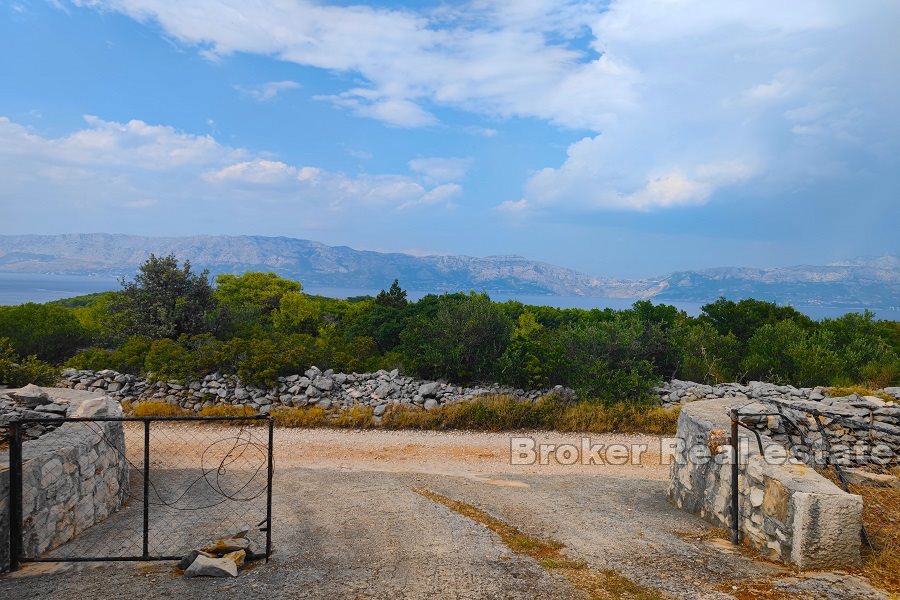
(504, 413)
(486, 413)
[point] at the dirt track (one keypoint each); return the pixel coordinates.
(347, 523)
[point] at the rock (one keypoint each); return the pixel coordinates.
(188, 560)
(204, 566)
(384, 390)
(324, 384)
(238, 557)
(31, 396)
(228, 545)
(429, 390)
(379, 410)
(430, 404)
(861, 478)
(58, 409)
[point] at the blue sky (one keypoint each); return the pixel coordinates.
(620, 138)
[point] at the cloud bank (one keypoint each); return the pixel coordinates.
(681, 100)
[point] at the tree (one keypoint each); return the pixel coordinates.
(164, 301)
(746, 317)
(394, 297)
(461, 341)
(297, 313)
(707, 356)
(247, 301)
(48, 331)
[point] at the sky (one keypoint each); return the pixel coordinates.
(622, 138)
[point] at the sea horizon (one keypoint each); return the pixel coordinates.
(19, 288)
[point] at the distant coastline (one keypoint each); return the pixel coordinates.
(18, 288)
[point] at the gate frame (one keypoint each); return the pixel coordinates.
(15, 485)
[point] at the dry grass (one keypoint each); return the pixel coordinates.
(594, 583)
(504, 413)
(713, 533)
(308, 416)
(837, 392)
(158, 408)
(487, 413)
(881, 517)
(356, 417)
(758, 590)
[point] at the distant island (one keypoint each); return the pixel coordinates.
(863, 282)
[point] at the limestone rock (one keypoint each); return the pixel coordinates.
(228, 545)
(238, 557)
(31, 396)
(429, 390)
(204, 566)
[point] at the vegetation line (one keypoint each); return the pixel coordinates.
(604, 584)
(173, 324)
(486, 413)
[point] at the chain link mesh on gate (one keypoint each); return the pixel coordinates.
(139, 488)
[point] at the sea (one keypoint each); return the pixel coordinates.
(18, 288)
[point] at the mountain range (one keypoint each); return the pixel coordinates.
(861, 282)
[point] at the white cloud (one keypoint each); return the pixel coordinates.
(106, 144)
(257, 171)
(442, 194)
(441, 169)
(133, 164)
(724, 94)
(665, 89)
(267, 91)
(490, 57)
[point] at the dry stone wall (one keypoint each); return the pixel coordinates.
(788, 512)
(860, 429)
(315, 387)
(73, 476)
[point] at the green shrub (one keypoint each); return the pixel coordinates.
(128, 358)
(167, 360)
(462, 341)
(16, 372)
(50, 332)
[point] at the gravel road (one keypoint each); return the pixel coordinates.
(348, 524)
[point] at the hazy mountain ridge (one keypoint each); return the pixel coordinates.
(858, 282)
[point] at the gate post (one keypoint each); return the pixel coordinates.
(15, 494)
(269, 490)
(146, 548)
(735, 467)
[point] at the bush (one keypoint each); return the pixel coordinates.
(707, 356)
(128, 358)
(16, 372)
(167, 360)
(50, 332)
(462, 341)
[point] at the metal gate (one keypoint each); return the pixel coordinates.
(135, 489)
